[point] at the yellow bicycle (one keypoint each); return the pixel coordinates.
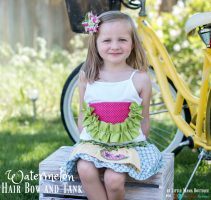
(178, 118)
(198, 129)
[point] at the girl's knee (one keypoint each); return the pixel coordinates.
(114, 181)
(86, 170)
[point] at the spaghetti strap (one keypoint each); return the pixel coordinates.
(133, 74)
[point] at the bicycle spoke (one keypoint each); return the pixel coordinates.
(157, 104)
(156, 129)
(167, 132)
(158, 112)
(159, 145)
(161, 136)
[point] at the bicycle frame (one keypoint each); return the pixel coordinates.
(164, 69)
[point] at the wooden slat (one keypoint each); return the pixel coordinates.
(168, 185)
(57, 198)
(130, 194)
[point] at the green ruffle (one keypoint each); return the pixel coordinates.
(117, 146)
(108, 132)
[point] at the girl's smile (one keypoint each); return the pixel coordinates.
(115, 54)
(114, 42)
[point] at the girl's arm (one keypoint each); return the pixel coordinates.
(146, 92)
(82, 87)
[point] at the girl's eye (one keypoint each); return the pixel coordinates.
(122, 40)
(106, 40)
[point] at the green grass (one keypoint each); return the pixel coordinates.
(24, 143)
(184, 164)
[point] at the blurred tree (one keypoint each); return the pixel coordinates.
(167, 5)
(22, 21)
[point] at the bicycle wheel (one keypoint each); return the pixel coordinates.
(163, 132)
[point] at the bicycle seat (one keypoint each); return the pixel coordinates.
(197, 20)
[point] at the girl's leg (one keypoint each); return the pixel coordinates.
(114, 184)
(91, 182)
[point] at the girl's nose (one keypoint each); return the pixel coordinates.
(114, 45)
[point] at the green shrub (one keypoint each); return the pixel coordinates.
(25, 69)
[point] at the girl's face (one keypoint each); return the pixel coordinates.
(114, 42)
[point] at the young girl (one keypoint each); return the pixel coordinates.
(115, 93)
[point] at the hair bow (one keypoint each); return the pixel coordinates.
(91, 22)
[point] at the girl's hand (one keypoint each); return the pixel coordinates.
(146, 93)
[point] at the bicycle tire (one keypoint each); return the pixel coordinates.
(66, 96)
(70, 123)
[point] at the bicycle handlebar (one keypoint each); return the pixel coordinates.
(135, 4)
(132, 4)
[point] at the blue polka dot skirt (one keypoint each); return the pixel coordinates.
(150, 163)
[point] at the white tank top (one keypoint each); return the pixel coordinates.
(122, 91)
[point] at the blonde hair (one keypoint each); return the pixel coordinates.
(93, 63)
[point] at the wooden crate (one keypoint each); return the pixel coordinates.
(157, 187)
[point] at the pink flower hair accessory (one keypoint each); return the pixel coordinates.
(91, 22)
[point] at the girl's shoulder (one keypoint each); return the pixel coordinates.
(141, 76)
(141, 81)
(82, 80)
